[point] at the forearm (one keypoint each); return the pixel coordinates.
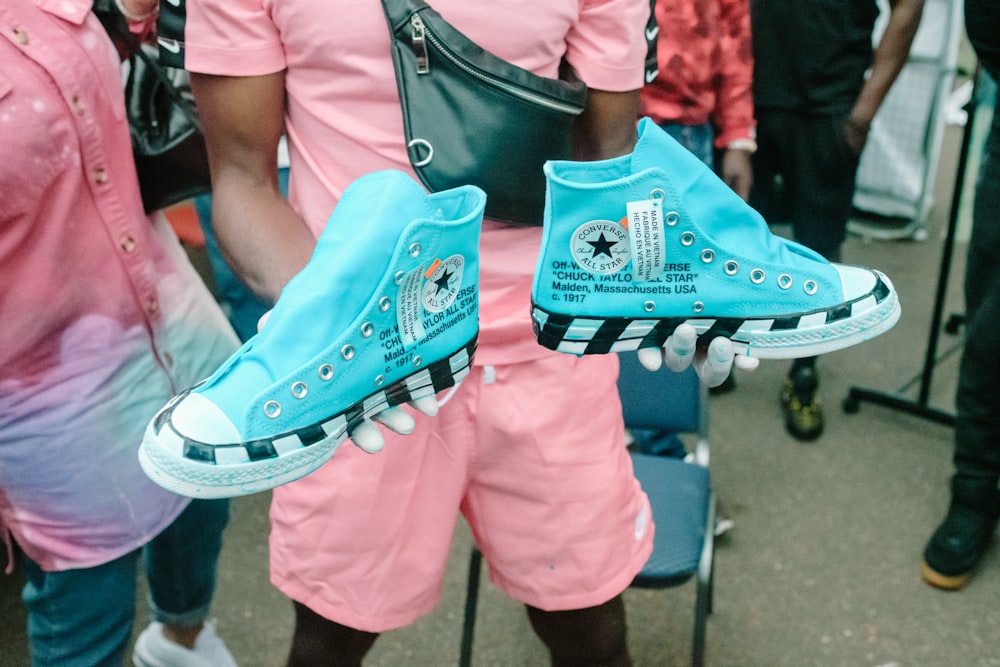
(262, 238)
(607, 127)
(733, 115)
(890, 57)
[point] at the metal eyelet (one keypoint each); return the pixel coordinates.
(757, 276)
(732, 267)
(784, 281)
(325, 372)
(384, 303)
(379, 380)
(299, 390)
(347, 352)
(398, 278)
(671, 218)
(367, 329)
(687, 239)
(415, 250)
(649, 306)
(418, 360)
(810, 287)
(272, 409)
(657, 194)
(698, 307)
(707, 255)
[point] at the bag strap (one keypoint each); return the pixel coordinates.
(116, 26)
(396, 10)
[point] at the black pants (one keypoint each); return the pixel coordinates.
(804, 174)
(977, 427)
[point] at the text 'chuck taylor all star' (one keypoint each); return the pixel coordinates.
(634, 246)
(385, 312)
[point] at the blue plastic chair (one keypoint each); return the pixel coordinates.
(679, 489)
(665, 404)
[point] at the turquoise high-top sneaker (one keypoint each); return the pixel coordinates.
(386, 311)
(634, 246)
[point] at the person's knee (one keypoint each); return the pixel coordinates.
(81, 616)
(591, 636)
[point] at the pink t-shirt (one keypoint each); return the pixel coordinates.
(343, 111)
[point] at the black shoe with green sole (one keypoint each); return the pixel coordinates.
(801, 404)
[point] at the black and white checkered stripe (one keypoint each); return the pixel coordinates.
(436, 376)
(591, 335)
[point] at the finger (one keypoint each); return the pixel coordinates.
(745, 362)
(428, 405)
(651, 358)
(678, 351)
(396, 419)
(367, 437)
(262, 322)
(717, 363)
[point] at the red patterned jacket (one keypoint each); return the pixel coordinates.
(705, 67)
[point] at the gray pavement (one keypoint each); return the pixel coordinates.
(821, 567)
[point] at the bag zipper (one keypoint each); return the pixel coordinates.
(421, 34)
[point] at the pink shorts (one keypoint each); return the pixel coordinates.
(533, 456)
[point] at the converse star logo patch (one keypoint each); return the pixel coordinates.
(443, 281)
(600, 246)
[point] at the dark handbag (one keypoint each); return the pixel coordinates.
(167, 141)
(473, 118)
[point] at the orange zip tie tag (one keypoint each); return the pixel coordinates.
(429, 272)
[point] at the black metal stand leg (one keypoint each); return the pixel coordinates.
(920, 407)
(856, 395)
(471, 600)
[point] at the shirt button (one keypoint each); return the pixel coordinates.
(78, 105)
(20, 36)
(168, 358)
(151, 305)
(100, 175)
(128, 243)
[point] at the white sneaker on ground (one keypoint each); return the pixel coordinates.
(153, 649)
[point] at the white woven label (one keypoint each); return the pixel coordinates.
(408, 308)
(647, 239)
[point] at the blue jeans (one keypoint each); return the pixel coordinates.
(84, 618)
(804, 173)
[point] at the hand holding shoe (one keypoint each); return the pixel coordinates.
(686, 249)
(283, 403)
(712, 364)
(366, 435)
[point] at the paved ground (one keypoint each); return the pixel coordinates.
(820, 568)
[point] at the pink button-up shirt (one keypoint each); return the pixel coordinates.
(102, 319)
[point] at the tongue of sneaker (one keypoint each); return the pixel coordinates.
(351, 256)
(708, 200)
